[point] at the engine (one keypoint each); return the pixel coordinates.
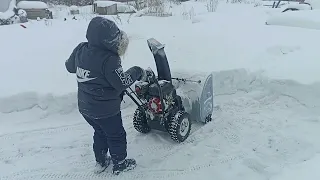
(150, 93)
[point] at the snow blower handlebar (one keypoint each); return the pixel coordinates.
(186, 80)
(137, 101)
(151, 78)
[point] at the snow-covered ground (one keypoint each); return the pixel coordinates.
(299, 19)
(267, 103)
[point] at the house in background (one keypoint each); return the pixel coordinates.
(35, 9)
(105, 8)
(112, 7)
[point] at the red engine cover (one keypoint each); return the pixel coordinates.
(155, 105)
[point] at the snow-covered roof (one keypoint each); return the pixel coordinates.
(121, 7)
(105, 3)
(32, 5)
(74, 8)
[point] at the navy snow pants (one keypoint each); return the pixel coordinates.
(109, 135)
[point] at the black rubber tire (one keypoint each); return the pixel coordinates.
(175, 125)
(140, 122)
(208, 118)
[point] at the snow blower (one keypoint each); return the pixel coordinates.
(169, 106)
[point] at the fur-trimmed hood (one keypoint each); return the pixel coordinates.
(105, 34)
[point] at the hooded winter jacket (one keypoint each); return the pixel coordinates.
(97, 64)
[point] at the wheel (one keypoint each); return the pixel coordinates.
(140, 122)
(180, 126)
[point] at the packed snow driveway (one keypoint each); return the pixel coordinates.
(260, 126)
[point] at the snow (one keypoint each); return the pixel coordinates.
(266, 85)
(314, 3)
(7, 12)
(6, 15)
(300, 6)
(302, 170)
(6, 5)
(303, 19)
(32, 5)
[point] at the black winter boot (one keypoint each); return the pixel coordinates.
(101, 167)
(125, 165)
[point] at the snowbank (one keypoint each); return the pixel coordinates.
(8, 11)
(32, 5)
(301, 19)
(288, 55)
(7, 5)
(48, 104)
(30, 100)
(6, 14)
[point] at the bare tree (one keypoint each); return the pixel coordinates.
(155, 6)
(212, 5)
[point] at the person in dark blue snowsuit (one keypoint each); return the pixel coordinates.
(101, 85)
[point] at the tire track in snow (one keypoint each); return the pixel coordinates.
(135, 174)
(22, 173)
(161, 152)
(166, 149)
(43, 131)
(37, 152)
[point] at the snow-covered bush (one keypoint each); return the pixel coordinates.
(13, 16)
(212, 5)
(47, 22)
(138, 4)
(188, 14)
(155, 6)
(125, 8)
